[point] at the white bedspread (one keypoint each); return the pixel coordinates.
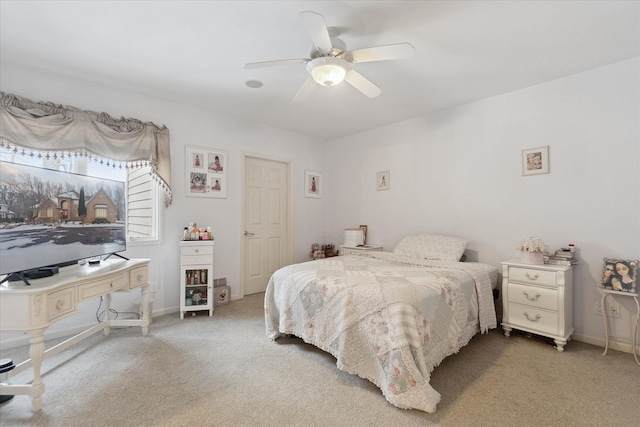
(386, 318)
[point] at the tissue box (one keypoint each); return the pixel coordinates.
(221, 295)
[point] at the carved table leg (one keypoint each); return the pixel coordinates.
(36, 353)
(507, 330)
(144, 300)
(107, 314)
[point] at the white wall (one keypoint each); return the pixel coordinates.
(188, 126)
(456, 172)
(459, 172)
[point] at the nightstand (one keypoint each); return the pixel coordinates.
(348, 250)
(538, 299)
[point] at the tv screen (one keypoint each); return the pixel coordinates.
(50, 217)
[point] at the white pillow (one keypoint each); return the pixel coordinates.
(429, 246)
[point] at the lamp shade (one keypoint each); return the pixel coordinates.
(327, 70)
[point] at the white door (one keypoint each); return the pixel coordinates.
(266, 221)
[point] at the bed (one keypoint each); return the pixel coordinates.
(388, 317)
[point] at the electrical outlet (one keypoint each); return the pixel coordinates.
(614, 309)
(598, 308)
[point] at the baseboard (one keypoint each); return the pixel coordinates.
(600, 342)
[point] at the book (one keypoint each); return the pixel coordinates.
(560, 261)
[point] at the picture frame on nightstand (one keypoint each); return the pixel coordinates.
(619, 275)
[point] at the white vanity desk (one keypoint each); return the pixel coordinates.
(33, 308)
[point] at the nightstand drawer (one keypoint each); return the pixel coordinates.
(533, 296)
(531, 318)
(532, 276)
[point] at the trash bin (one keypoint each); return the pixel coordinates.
(137, 308)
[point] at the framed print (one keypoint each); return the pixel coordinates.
(619, 275)
(206, 172)
(383, 181)
(364, 232)
(535, 161)
(312, 184)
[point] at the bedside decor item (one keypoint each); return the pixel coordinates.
(206, 170)
(383, 181)
(353, 237)
(535, 161)
(619, 275)
(531, 250)
(364, 231)
(312, 184)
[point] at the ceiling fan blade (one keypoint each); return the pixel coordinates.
(276, 63)
(305, 90)
(380, 53)
(317, 30)
(363, 84)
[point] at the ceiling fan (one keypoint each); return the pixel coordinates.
(330, 62)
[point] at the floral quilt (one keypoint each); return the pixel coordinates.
(387, 318)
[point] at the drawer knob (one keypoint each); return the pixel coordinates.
(535, 298)
(197, 250)
(60, 304)
(534, 319)
(531, 276)
(139, 277)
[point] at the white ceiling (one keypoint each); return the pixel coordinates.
(192, 52)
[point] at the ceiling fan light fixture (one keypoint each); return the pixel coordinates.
(327, 70)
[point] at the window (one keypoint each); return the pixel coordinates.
(143, 198)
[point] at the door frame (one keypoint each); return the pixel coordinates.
(289, 209)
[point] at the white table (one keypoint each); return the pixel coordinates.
(634, 295)
(34, 308)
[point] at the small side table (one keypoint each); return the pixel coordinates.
(607, 292)
(348, 250)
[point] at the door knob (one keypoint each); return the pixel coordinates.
(246, 233)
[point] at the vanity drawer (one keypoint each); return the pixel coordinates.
(60, 303)
(102, 287)
(533, 296)
(532, 276)
(138, 277)
(196, 250)
(533, 319)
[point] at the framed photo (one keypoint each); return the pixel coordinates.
(312, 184)
(383, 181)
(535, 161)
(620, 275)
(364, 231)
(206, 172)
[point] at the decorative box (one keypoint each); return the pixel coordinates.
(221, 295)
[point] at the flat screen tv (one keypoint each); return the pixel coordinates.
(50, 218)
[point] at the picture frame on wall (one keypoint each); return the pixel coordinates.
(313, 184)
(535, 161)
(620, 275)
(206, 172)
(383, 181)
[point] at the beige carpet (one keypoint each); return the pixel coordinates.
(222, 371)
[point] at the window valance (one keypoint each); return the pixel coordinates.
(47, 127)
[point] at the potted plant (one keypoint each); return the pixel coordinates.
(532, 250)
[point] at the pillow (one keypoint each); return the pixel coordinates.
(430, 246)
